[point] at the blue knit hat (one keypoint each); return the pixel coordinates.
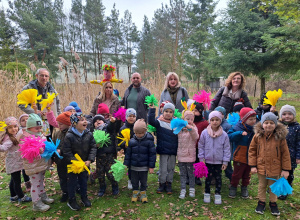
(74, 104)
(221, 109)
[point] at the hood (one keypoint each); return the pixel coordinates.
(280, 131)
(148, 136)
(242, 127)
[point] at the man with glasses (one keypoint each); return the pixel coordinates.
(134, 97)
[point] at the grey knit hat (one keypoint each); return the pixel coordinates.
(269, 116)
(169, 106)
(130, 111)
(287, 108)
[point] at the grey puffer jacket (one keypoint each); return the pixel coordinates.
(221, 99)
(142, 108)
(165, 96)
(41, 91)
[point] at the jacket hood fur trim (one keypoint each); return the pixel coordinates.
(280, 131)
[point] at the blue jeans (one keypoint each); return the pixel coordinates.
(72, 183)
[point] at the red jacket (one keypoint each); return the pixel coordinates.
(201, 125)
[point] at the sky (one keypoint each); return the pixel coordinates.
(138, 8)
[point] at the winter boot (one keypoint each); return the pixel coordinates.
(24, 199)
(85, 201)
(232, 192)
(73, 204)
(28, 186)
(40, 206)
(169, 188)
(129, 185)
(102, 190)
(182, 194)
(115, 189)
(218, 200)
(260, 208)
(46, 199)
(161, 188)
(274, 208)
(64, 197)
(144, 198)
(192, 192)
(14, 199)
(245, 193)
(135, 195)
(206, 198)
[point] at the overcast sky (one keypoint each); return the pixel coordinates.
(138, 8)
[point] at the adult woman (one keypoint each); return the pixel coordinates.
(107, 97)
(231, 92)
(173, 92)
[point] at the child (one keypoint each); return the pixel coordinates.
(161, 107)
(36, 170)
(269, 157)
(70, 109)
(106, 155)
(240, 136)
(129, 123)
(225, 125)
(140, 157)
(103, 110)
(238, 106)
(79, 140)
(288, 118)
(13, 161)
(64, 123)
(167, 143)
(214, 148)
(186, 153)
(262, 109)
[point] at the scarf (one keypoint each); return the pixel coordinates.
(100, 127)
(77, 132)
(37, 134)
(233, 96)
(161, 118)
(213, 133)
(173, 93)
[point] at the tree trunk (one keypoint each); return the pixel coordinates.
(262, 85)
(198, 83)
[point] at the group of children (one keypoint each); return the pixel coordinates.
(268, 147)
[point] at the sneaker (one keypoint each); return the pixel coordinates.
(72, 203)
(102, 190)
(232, 192)
(143, 198)
(206, 198)
(39, 206)
(198, 181)
(14, 199)
(135, 195)
(85, 201)
(218, 200)
(24, 199)
(115, 189)
(161, 188)
(182, 194)
(28, 186)
(46, 199)
(192, 192)
(261, 206)
(245, 193)
(64, 197)
(274, 208)
(169, 188)
(129, 185)
(282, 197)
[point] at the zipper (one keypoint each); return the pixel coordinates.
(277, 150)
(235, 153)
(258, 149)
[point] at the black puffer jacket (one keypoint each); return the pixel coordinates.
(84, 146)
(126, 125)
(141, 152)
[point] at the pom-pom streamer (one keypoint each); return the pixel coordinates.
(233, 118)
(120, 114)
(151, 128)
(151, 100)
(203, 97)
(178, 124)
(30, 148)
(117, 170)
(125, 137)
(200, 170)
(101, 138)
(281, 187)
(50, 149)
(28, 96)
(77, 166)
(272, 97)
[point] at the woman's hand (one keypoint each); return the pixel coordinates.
(253, 170)
(285, 174)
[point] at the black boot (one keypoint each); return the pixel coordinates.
(260, 208)
(169, 188)
(115, 189)
(73, 204)
(161, 188)
(85, 201)
(102, 190)
(274, 208)
(64, 197)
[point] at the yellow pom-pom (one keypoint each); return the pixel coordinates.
(126, 137)
(49, 100)
(77, 166)
(272, 97)
(28, 96)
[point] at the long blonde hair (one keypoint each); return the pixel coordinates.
(168, 77)
(102, 95)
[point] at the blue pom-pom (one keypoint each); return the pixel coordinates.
(233, 118)
(50, 149)
(281, 187)
(74, 104)
(178, 124)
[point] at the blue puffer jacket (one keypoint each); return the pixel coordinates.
(167, 141)
(293, 142)
(141, 152)
(237, 139)
(225, 125)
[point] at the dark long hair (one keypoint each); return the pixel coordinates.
(12, 138)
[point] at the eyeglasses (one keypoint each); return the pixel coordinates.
(44, 76)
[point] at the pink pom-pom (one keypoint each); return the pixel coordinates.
(203, 97)
(120, 114)
(30, 148)
(200, 170)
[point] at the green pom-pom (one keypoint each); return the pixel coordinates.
(177, 114)
(151, 100)
(101, 138)
(151, 128)
(117, 170)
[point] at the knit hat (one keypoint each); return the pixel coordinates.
(169, 106)
(102, 109)
(187, 112)
(74, 118)
(215, 114)
(190, 102)
(238, 105)
(98, 117)
(74, 104)
(77, 109)
(163, 104)
(246, 113)
(269, 116)
(140, 126)
(221, 109)
(199, 107)
(287, 108)
(130, 111)
(64, 118)
(23, 115)
(33, 121)
(11, 121)
(68, 108)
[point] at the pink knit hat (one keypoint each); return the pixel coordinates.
(11, 121)
(22, 117)
(215, 114)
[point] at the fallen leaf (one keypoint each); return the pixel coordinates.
(102, 216)
(177, 213)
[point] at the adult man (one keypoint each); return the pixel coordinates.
(42, 85)
(134, 97)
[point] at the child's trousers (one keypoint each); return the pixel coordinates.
(290, 178)
(166, 168)
(103, 165)
(37, 185)
(263, 182)
(186, 169)
(73, 179)
(139, 177)
(15, 185)
(214, 170)
(241, 171)
(62, 172)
